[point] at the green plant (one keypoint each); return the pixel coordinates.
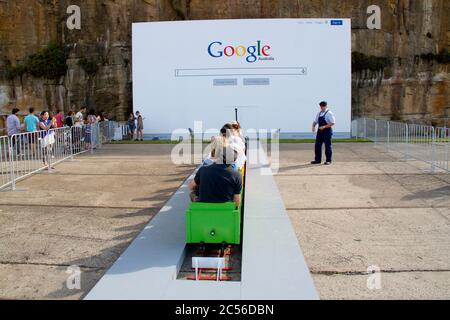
(49, 63)
(15, 71)
(90, 67)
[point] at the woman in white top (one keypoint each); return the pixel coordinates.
(235, 140)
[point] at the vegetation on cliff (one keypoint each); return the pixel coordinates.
(49, 63)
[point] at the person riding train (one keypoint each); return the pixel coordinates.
(218, 182)
(232, 132)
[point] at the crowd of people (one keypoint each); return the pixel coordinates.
(34, 123)
(219, 180)
(38, 127)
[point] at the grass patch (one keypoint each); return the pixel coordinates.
(145, 142)
(314, 140)
(268, 141)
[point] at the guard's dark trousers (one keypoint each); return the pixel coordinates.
(324, 136)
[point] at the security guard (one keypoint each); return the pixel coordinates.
(325, 119)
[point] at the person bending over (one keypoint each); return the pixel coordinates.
(218, 183)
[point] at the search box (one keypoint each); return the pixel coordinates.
(214, 72)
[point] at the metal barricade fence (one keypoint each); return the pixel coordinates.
(106, 131)
(420, 142)
(61, 149)
(442, 148)
(78, 134)
(93, 136)
(5, 170)
(125, 131)
(32, 152)
(25, 154)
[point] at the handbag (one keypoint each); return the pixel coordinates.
(48, 140)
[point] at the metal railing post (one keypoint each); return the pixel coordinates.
(388, 138)
(99, 134)
(92, 138)
(406, 141)
(71, 144)
(365, 128)
(49, 155)
(433, 150)
(11, 163)
(375, 138)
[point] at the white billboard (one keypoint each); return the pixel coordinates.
(274, 71)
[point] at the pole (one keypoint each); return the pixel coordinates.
(406, 141)
(49, 154)
(388, 135)
(92, 138)
(236, 113)
(11, 161)
(376, 133)
(71, 144)
(433, 150)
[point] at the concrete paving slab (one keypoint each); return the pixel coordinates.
(393, 239)
(394, 286)
(49, 221)
(31, 282)
(132, 168)
(61, 250)
(116, 191)
(343, 152)
(428, 188)
(344, 192)
(339, 168)
(445, 212)
(51, 238)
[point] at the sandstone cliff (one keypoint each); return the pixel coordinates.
(412, 83)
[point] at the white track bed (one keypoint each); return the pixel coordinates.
(273, 266)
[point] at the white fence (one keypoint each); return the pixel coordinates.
(421, 142)
(25, 154)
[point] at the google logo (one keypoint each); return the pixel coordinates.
(252, 52)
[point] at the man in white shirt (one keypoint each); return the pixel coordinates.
(325, 120)
(79, 117)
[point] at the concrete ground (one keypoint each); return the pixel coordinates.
(369, 208)
(84, 214)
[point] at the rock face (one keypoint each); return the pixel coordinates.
(413, 85)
